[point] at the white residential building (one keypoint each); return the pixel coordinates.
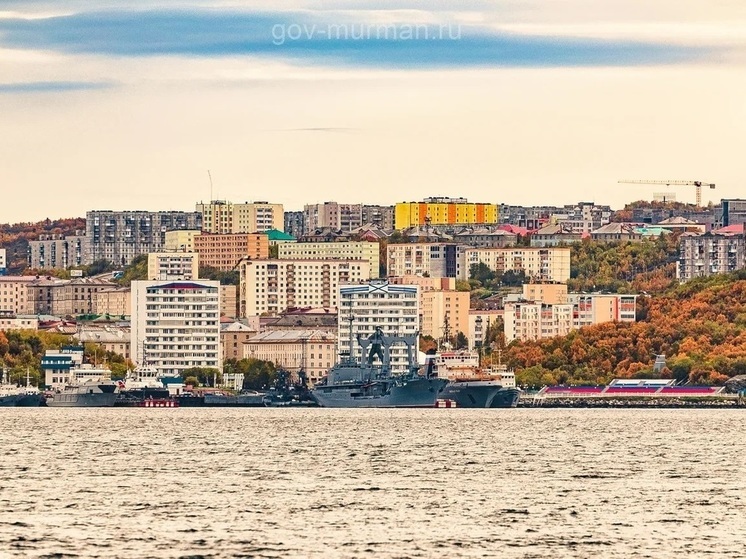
(176, 325)
(342, 250)
(395, 308)
(539, 264)
(164, 266)
(269, 287)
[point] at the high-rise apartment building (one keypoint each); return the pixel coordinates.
(444, 313)
(269, 287)
(176, 324)
(294, 224)
(341, 250)
(444, 211)
(437, 260)
(332, 215)
(710, 253)
(380, 216)
(225, 251)
(220, 216)
(59, 251)
(173, 265)
(121, 236)
(181, 239)
(378, 303)
(539, 264)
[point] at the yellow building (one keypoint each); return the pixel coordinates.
(180, 239)
(220, 216)
(443, 211)
(225, 251)
(173, 265)
(550, 293)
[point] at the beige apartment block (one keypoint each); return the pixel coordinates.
(269, 287)
(229, 301)
(426, 283)
(597, 308)
(225, 251)
(114, 301)
(14, 296)
(65, 297)
(220, 216)
(441, 307)
(181, 240)
(528, 320)
(551, 293)
(108, 338)
(311, 350)
(550, 264)
(439, 260)
(342, 250)
(163, 266)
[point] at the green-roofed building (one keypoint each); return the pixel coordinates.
(276, 236)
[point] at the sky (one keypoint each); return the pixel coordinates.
(527, 102)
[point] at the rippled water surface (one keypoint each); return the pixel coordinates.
(163, 483)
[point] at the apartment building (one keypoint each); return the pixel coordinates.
(173, 265)
(551, 293)
(715, 252)
(444, 310)
(583, 217)
(224, 251)
(120, 236)
(10, 321)
(229, 301)
(65, 297)
(539, 264)
(14, 296)
(439, 260)
(3, 262)
(479, 322)
(294, 224)
(484, 237)
(233, 336)
(108, 338)
(555, 235)
(530, 320)
(114, 301)
(443, 211)
(59, 251)
(381, 217)
(222, 217)
(176, 324)
(313, 351)
(272, 286)
(535, 320)
(378, 303)
(344, 250)
(332, 215)
(180, 240)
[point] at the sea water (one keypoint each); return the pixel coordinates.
(223, 483)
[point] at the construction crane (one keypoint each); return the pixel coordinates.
(697, 184)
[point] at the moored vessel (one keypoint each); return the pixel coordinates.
(364, 384)
(90, 388)
(472, 386)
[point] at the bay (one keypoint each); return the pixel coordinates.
(225, 483)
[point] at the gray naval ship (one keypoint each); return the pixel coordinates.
(364, 384)
(88, 387)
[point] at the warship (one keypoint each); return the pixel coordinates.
(88, 387)
(18, 396)
(365, 384)
(472, 386)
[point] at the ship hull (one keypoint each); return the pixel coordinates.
(9, 401)
(29, 401)
(95, 400)
(476, 394)
(415, 393)
(240, 400)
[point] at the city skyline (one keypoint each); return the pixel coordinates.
(509, 102)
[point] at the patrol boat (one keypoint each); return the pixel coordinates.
(364, 384)
(88, 387)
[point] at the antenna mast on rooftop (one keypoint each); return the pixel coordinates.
(209, 176)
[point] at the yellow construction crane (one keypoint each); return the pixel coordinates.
(697, 184)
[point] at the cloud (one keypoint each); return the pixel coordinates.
(50, 86)
(325, 39)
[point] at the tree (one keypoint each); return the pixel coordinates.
(460, 341)
(206, 376)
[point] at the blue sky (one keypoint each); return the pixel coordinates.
(529, 101)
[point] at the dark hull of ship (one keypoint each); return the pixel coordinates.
(476, 394)
(414, 393)
(137, 395)
(74, 400)
(21, 401)
(240, 400)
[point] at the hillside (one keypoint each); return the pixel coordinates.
(15, 237)
(700, 327)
